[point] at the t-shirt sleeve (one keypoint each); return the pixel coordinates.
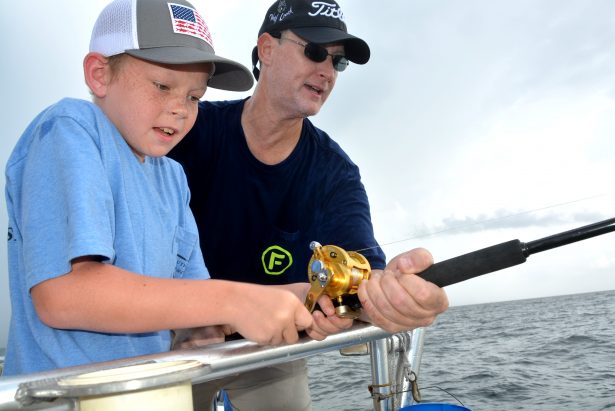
(67, 201)
(347, 218)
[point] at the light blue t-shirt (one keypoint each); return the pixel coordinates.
(74, 188)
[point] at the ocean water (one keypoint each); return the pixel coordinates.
(546, 354)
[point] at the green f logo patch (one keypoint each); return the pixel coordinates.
(276, 260)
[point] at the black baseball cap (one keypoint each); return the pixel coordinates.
(320, 22)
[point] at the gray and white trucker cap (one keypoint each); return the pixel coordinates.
(168, 32)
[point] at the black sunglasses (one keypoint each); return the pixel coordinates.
(318, 54)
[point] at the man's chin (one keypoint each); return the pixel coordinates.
(310, 112)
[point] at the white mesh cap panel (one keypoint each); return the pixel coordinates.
(113, 31)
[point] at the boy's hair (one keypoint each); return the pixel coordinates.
(115, 62)
(168, 32)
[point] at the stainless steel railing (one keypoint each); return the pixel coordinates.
(221, 360)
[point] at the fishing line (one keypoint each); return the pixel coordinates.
(442, 389)
(422, 389)
(487, 221)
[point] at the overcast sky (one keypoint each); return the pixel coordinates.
(475, 122)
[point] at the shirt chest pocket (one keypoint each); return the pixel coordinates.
(183, 247)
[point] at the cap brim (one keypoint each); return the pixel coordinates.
(355, 49)
(229, 75)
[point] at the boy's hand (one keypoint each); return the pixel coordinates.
(271, 316)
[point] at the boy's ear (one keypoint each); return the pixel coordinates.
(97, 73)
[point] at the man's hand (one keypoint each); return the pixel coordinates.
(397, 300)
(326, 322)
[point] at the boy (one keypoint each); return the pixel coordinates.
(102, 244)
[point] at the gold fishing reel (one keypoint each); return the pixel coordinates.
(336, 273)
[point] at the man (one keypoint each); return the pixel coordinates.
(265, 182)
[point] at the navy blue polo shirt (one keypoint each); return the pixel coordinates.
(256, 221)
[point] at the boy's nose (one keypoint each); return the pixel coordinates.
(179, 107)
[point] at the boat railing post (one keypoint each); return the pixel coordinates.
(381, 383)
(412, 362)
(395, 364)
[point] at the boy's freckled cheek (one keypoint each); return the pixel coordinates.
(154, 100)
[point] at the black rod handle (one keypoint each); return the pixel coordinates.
(466, 266)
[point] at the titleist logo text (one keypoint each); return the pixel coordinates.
(327, 10)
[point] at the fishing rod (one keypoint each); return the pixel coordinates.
(507, 254)
(337, 273)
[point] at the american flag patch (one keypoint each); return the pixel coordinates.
(188, 21)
